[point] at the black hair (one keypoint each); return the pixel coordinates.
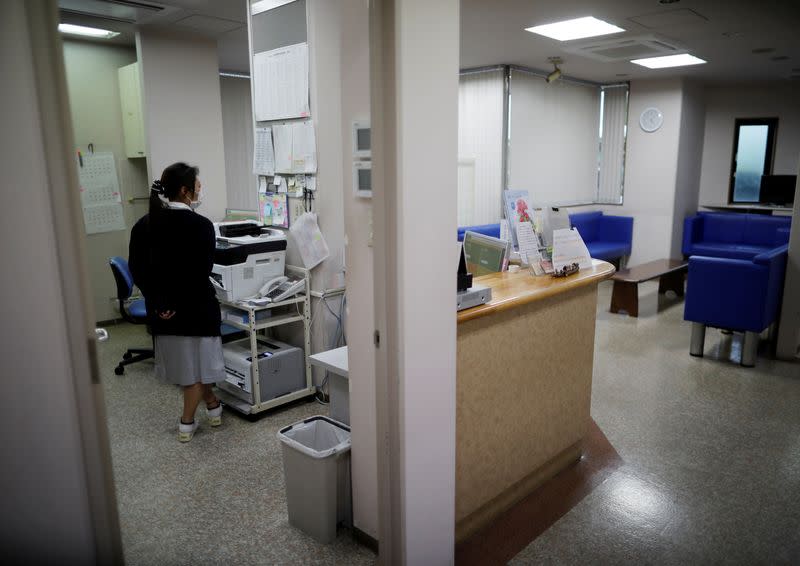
(173, 178)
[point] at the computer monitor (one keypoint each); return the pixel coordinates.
(777, 189)
(484, 254)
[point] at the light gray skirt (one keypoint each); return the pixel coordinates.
(186, 360)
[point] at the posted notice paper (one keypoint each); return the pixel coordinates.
(569, 248)
(263, 152)
(295, 147)
(528, 244)
(281, 83)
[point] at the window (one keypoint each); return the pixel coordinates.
(613, 134)
(753, 145)
(563, 142)
(567, 140)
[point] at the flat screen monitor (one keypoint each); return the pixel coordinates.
(484, 254)
(777, 189)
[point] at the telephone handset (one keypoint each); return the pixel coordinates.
(281, 288)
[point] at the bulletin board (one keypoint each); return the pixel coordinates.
(285, 153)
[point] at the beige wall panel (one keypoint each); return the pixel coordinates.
(523, 392)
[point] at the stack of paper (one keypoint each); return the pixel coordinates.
(295, 147)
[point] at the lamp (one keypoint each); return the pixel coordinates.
(556, 74)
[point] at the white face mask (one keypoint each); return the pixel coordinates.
(195, 204)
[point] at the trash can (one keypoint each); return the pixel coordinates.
(316, 467)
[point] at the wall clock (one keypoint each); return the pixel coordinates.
(651, 119)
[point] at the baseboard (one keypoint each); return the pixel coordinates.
(491, 510)
(366, 540)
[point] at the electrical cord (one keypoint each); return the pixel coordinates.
(339, 340)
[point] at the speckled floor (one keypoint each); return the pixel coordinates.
(218, 499)
(711, 450)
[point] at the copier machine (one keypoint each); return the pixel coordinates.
(247, 255)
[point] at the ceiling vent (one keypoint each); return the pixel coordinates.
(625, 49)
(128, 11)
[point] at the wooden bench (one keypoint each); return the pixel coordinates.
(625, 296)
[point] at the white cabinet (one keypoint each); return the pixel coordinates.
(130, 95)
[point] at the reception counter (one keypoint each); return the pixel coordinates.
(524, 385)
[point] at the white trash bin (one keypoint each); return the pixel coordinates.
(316, 467)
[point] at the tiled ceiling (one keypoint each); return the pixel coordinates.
(724, 33)
(742, 40)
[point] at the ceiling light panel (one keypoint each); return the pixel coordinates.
(87, 31)
(578, 28)
(669, 61)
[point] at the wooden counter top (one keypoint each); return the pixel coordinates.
(511, 290)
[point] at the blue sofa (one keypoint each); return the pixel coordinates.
(733, 235)
(735, 294)
(486, 229)
(607, 237)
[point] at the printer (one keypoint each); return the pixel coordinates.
(280, 369)
(247, 255)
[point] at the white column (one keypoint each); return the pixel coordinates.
(789, 332)
(183, 110)
(414, 76)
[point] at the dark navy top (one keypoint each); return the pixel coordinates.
(170, 260)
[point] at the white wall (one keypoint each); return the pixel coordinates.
(651, 169)
(182, 110)
(414, 81)
(237, 130)
(726, 103)
(480, 141)
(690, 155)
(554, 139)
(324, 29)
(97, 119)
(354, 70)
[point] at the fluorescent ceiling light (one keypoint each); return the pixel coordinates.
(668, 61)
(89, 32)
(575, 29)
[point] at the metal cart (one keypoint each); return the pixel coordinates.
(232, 396)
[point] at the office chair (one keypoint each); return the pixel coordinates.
(133, 311)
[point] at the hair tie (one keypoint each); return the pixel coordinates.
(157, 187)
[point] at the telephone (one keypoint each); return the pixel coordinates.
(281, 288)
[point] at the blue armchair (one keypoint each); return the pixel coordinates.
(607, 237)
(733, 235)
(735, 294)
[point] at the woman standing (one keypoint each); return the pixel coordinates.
(171, 255)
